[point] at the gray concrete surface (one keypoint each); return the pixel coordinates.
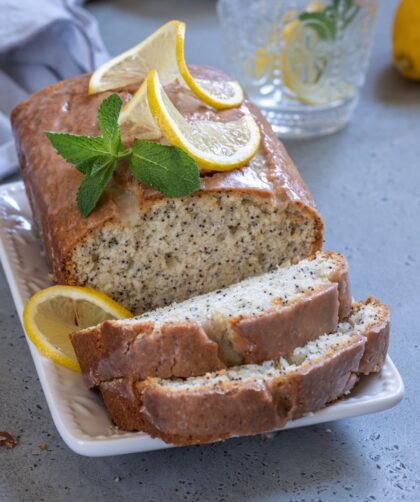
(366, 180)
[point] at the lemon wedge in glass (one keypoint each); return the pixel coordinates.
(219, 146)
(163, 51)
(55, 312)
(305, 61)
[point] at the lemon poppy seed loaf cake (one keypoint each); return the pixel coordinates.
(145, 250)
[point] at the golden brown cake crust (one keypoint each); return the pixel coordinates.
(242, 408)
(377, 339)
(278, 333)
(185, 417)
(51, 183)
(112, 350)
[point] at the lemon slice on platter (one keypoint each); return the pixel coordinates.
(55, 312)
(219, 146)
(163, 51)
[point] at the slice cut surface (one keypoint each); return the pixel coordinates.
(163, 51)
(53, 313)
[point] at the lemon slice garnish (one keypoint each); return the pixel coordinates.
(136, 120)
(53, 313)
(214, 145)
(163, 51)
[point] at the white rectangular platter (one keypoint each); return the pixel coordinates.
(78, 413)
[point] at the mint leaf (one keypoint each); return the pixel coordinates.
(321, 23)
(100, 164)
(94, 184)
(108, 122)
(325, 22)
(77, 149)
(167, 169)
(86, 166)
(92, 166)
(350, 13)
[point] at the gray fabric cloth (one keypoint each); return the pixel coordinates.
(41, 42)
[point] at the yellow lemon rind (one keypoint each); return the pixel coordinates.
(170, 132)
(40, 341)
(95, 85)
(238, 96)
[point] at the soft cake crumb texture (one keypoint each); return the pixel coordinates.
(254, 295)
(179, 248)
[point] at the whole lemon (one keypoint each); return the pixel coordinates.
(406, 39)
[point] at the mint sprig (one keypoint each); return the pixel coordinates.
(94, 183)
(167, 169)
(325, 22)
(154, 167)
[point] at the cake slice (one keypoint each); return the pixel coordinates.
(258, 319)
(251, 399)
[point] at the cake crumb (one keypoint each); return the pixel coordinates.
(7, 440)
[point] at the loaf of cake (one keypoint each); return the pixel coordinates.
(255, 320)
(251, 399)
(241, 322)
(145, 250)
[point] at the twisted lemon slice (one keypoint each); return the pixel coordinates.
(163, 51)
(53, 313)
(214, 145)
(136, 120)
